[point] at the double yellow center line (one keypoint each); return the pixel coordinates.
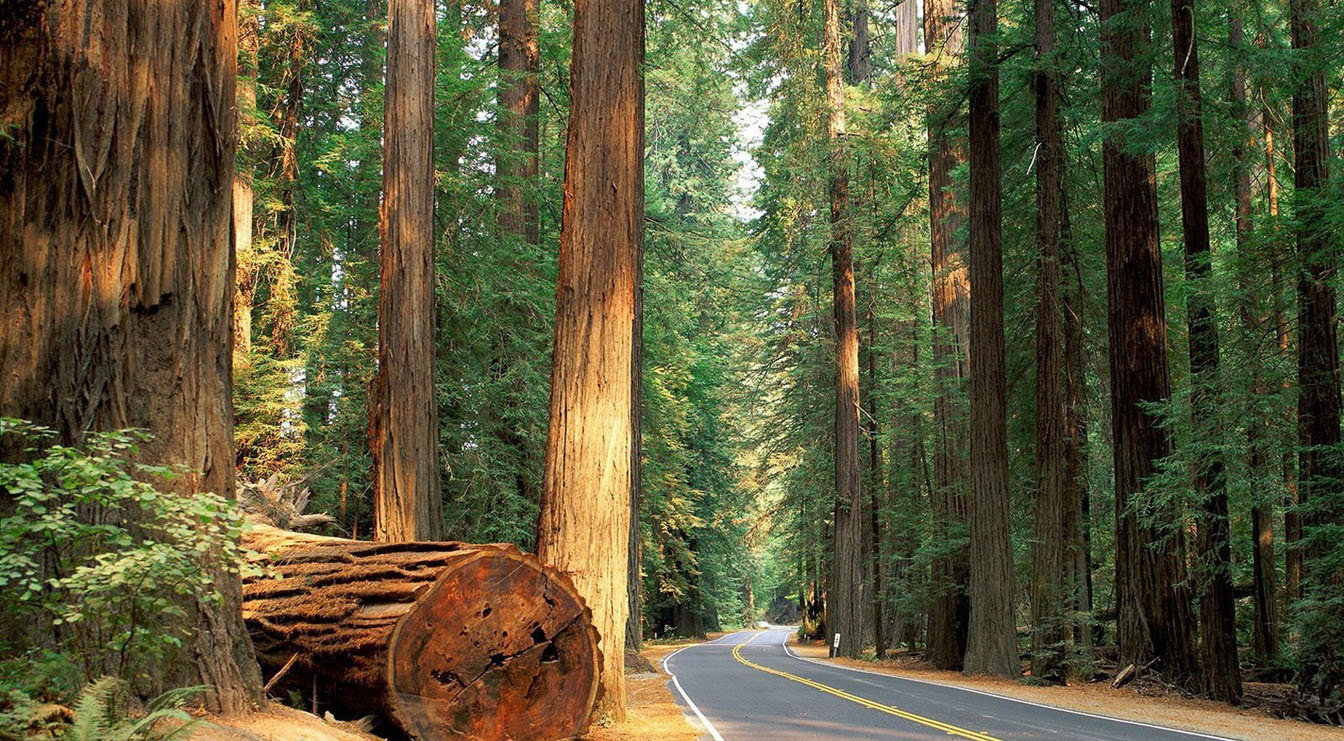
(951, 730)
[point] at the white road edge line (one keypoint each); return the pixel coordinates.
(713, 732)
(1196, 734)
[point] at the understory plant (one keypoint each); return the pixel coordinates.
(101, 560)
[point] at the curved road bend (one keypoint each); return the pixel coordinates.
(747, 685)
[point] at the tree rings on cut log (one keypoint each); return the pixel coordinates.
(446, 640)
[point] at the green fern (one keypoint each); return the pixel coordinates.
(102, 714)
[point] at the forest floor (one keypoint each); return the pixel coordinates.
(651, 711)
(1129, 703)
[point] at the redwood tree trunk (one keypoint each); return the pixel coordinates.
(403, 416)
(118, 277)
(1152, 596)
(1254, 317)
(1217, 609)
(584, 525)
(950, 612)
(844, 612)
(1050, 572)
(992, 644)
(1318, 402)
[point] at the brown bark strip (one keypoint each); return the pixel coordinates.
(992, 644)
(844, 613)
(1154, 620)
(403, 415)
(950, 611)
(1217, 610)
(584, 524)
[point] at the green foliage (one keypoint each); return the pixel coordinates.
(106, 562)
(103, 711)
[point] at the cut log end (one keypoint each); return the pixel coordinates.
(486, 660)
(446, 640)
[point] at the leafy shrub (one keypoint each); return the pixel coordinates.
(100, 558)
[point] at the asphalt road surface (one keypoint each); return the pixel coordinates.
(748, 685)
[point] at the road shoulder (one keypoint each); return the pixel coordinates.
(1201, 716)
(651, 710)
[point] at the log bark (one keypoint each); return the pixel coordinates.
(445, 640)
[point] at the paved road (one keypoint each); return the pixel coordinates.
(748, 685)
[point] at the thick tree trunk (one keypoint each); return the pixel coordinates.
(403, 415)
(1217, 609)
(950, 612)
(1154, 620)
(118, 277)
(1050, 573)
(907, 28)
(992, 644)
(1318, 403)
(516, 166)
(1254, 317)
(584, 526)
(845, 592)
(446, 640)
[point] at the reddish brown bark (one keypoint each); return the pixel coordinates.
(992, 644)
(1254, 317)
(117, 278)
(950, 611)
(584, 526)
(1054, 517)
(403, 416)
(1154, 621)
(844, 613)
(1217, 611)
(1320, 475)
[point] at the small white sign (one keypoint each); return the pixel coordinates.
(836, 643)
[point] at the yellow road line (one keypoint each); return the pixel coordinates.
(951, 730)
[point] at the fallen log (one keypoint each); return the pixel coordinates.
(445, 640)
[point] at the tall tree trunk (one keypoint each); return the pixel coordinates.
(286, 173)
(516, 167)
(1318, 402)
(1050, 573)
(1153, 621)
(245, 282)
(845, 590)
(1077, 511)
(859, 65)
(1254, 317)
(907, 28)
(1217, 609)
(584, 526)
(992, 644)
(950, 612)
(403, 414)
(118, 278)
(1292, 520)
